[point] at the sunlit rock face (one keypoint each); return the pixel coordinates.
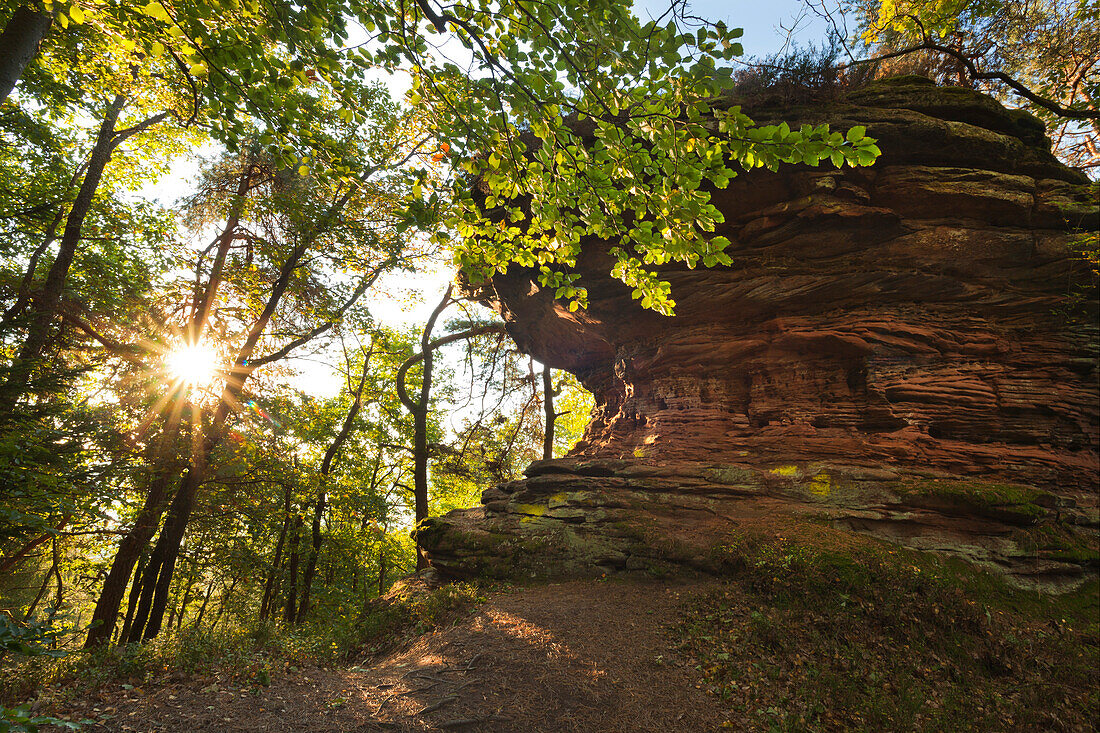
(908, 349)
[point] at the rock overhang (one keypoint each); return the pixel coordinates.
(907, 320)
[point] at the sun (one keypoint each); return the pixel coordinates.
(195, 365)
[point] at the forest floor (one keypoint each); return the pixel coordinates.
(823, 631)
(574, 656)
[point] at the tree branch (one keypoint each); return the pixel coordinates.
(928, 45)
(402, 392)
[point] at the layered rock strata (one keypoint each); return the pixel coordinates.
(908, 350)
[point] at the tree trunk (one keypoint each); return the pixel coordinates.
(173, 607)
(13, 560)
(269, 587)
(158, 573)
(381, 570)
(548, 410)
(23, 295)
(54, 569)
(135, 541)
(292, 572)
(225, 602)
(314, 549)
(131, 602)
(186, 598)
(162, 563)
(202, 608)
(322, 485)
(419, 410)
(48, 298)
(19, 44)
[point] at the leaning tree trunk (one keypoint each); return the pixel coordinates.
(159, 574)
(202, 608)
(134, 544)
(322, 486)
(48, 297)
(11, 561)
(131, 603)
(269, 586)
(157, 577)
(19, 44)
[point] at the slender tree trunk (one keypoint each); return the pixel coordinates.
(187, 598)
(225, 601)
(381, 570)
(292, 572)
(158, 574)
(202, 608)
(322, 485)
(19, 44)
(548, 410)
(419, 410)
(314, 550)
(60, 586)
(178, 611)
(269, 587)
(23, 295)
(162, 564)
(381, 581)
(172, 608)
(54, 569)
(131, 602)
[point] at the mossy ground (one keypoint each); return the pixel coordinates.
(810, 635)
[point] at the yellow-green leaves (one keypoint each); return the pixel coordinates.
(155, 10)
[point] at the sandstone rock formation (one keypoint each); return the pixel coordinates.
(908, 350)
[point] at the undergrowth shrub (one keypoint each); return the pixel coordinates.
(244, 654)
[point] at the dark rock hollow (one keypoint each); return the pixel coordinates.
(908, 350)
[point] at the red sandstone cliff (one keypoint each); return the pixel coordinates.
(903, 349)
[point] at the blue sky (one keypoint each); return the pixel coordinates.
(761, 20)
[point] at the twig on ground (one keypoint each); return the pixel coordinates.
(470, 664)
(436, 705)
(459, 722)
(429, 677)
(385, 700)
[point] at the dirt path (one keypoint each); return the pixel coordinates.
(587, 656)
